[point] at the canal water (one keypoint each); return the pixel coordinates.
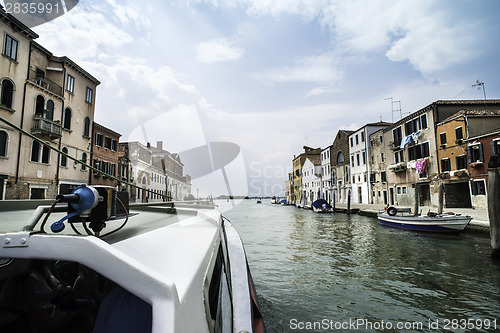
(334, 272)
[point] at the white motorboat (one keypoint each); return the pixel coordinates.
(163, 267)
(431, 222)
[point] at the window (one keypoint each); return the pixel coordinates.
(383, 176)
(357, 139)
(49, 114)
(495, 147)
(357, 158)
(64, 159)
(475, 153)
(89, 96)
(37, 193)
(352, 160)
(458, 133)
(7, 94)
(364, 157)
(84, 160)
(478, 187)
(416, 124)
(4, 141)
(399, 190)
(397, 135)
(362, 136)
(39, 105)
(399, 156)
(419, 151)
(373, 177)
(404, 189)
(445, 165)
(381, 139)
(442, 137)
(107, 142)
(114, 146)
(352, 142)
(35, 151)
(45, 154)
(10, 47)
(67, 119)
(423, 121)
(70, 84)
(98, 139)
(38, 150)
(382, 156)
(86, 127)
(340, 157)
(461, 162)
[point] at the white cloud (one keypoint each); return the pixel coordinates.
(83, 33)
(430, 35)
(321, 68)
(218, 50)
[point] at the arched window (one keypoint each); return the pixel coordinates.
(84, 160)
(64, 159)
(67, 119)
(50, 110)
(39, 105)
(86, 127)
(340, 158)
(4, 141)
(7, 93)
(35, 151)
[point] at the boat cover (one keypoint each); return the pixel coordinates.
(320, 202)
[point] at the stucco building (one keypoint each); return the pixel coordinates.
(104, 155)
(340, 167)
(378, 174)
(412, 151)
(51, 97)
(298, 162)
(359, 152)
(157, 173)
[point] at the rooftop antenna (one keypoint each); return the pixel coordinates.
(480, 85)
(393, 109)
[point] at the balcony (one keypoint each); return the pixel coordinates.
(395, 145)
(46, 127)
(398, 167)
(45, 83)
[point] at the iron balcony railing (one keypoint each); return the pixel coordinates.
(47, 127)
(45, 83)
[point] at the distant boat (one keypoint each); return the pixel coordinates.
(274, 200)
(430, 223)
(321, 206)
(259, 201)
(284, 202)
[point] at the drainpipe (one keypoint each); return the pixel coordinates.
(22, 114)
(91, 159)
(58, 167)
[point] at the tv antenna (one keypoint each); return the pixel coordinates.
(398, 109)
(480, 85)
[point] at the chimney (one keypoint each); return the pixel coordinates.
(159, 145)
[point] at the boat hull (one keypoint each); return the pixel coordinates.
(452, 223)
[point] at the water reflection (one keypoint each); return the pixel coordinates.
(310, 267)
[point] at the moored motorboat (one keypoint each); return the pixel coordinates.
(430, 222)
(321, 206)
(166, 267)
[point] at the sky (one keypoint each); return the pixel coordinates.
(272, 75)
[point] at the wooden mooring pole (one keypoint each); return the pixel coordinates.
(349, 202)
(494, 204)
(440, 198)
